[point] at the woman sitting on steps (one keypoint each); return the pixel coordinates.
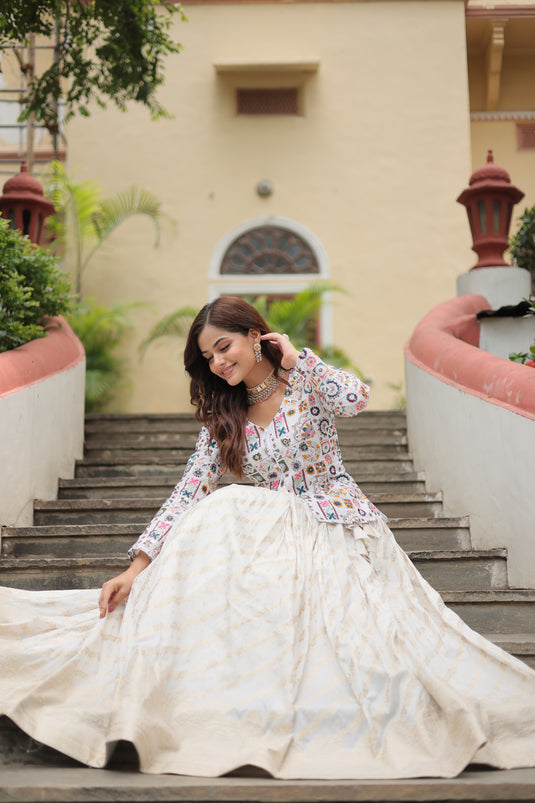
(279, 625)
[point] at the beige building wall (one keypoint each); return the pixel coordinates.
(372, 168)
(501, 66)
(501, 136)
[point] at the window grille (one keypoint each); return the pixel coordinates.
(526, 136)
(269, 250)
(267, 101)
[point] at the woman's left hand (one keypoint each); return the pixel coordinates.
(289, 352)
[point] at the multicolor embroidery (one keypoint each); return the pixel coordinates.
(298, 451)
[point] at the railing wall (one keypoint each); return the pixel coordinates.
(41, 419)
(471, 422)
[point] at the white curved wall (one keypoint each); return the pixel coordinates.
(482, 456)
(41, 421)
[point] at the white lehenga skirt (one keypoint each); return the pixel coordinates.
(260, 636)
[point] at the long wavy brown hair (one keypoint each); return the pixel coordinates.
(221, 407)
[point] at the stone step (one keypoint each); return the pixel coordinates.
(153, 464)
(137, 422)
(446, 570)
(47, 573)
(187, 439)
(522, 645)
(76, 540)
(125, 488)
(67, 782)
(507, 611)
(159, 451)
(78, 511)
(185, 422)
(134, 425)
(435, 533)
(114, 539)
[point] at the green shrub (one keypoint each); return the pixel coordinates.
(101, 331)
(525, 357)
(32, 288)
(522, 244)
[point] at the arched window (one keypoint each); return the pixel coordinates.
(269, 250)
(272, 256)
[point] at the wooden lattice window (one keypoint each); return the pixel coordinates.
(525, 133)
(267, 101)
(269, 250)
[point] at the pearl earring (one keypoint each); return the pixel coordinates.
(257, 352)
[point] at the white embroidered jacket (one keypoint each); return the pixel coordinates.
(298, 451)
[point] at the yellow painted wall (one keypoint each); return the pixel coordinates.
(499, 4)
(501, 137)
(373, 168)
(497, 128)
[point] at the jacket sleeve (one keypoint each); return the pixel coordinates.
(200, 478)
(341, 393)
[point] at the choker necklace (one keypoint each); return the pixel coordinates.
(264, 390)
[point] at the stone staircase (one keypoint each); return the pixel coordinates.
(130, 466)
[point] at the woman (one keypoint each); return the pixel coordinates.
(280, 625)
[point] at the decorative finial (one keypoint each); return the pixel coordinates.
(489, 200)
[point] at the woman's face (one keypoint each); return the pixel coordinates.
(230, 355)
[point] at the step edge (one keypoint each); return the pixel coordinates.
(51, 530)
(146, 501)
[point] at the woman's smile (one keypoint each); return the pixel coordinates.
(225, 372)
(231, 355)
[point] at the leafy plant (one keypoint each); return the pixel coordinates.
(32, 288)
(103, 51)
(82, 224)
(298, 318)
(176, 324)
(526, 357)
(400, 400)
(101, 331)
(84, 220)
(522, 244)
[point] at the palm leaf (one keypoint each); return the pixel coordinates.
(83, 220)
(98, 388)
(76, 204)
(111, 212)
(176, 324)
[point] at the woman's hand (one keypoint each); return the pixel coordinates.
(289, 352)
(118, 588)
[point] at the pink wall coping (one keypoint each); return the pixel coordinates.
(445, 344)
(40, 359)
